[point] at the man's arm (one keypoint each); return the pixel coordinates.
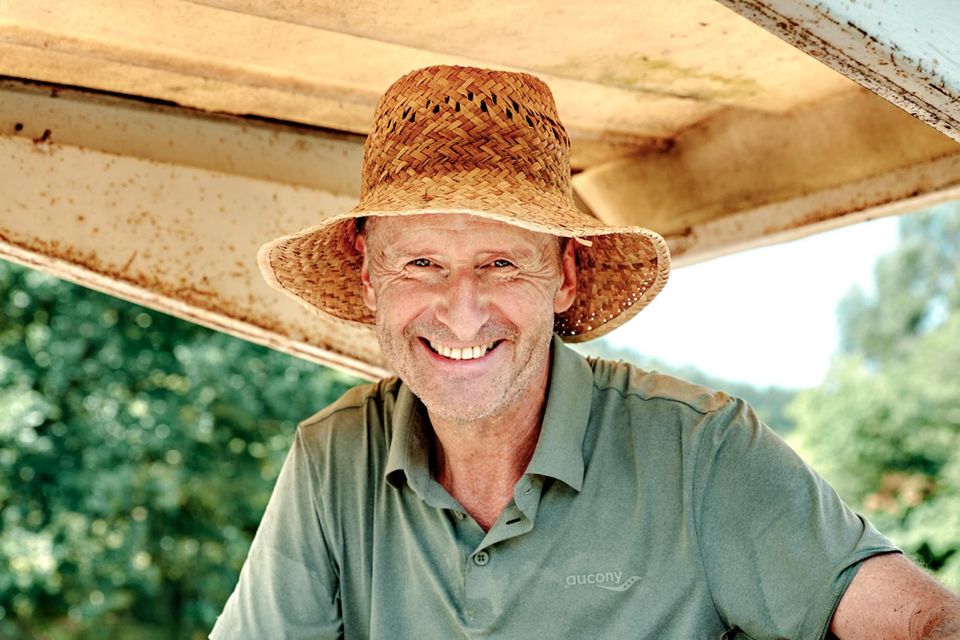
(892, 598)
(289, 585)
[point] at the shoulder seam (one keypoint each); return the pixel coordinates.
(325, 413)
(332, 410)
(640, 396)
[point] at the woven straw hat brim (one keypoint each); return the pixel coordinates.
(619, 273)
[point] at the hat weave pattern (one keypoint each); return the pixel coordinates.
(485, 143)
(453, 126)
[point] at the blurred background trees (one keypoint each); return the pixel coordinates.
(137, 451)
(884, 427)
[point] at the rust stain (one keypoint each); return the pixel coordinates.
(44, 138)
(184, 289)
(884, 84)
(208, 307)
(818, 216)
(859, 30)
(126, 267)
(190, 292)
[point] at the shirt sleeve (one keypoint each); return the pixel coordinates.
(289, 583)
(778, 544)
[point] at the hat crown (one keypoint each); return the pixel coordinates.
(440, 122)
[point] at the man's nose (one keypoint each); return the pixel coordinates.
(463, 306)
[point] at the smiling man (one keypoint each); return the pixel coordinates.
(465, 309)
(503, 486)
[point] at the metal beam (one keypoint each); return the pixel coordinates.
(167, 208)
(905, 51)
(743, 180)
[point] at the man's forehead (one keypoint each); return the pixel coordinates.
(412, 232)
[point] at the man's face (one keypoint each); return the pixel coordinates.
(464, 308)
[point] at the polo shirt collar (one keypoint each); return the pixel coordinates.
(409, 453)
(559, 451)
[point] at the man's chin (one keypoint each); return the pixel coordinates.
(454, 408)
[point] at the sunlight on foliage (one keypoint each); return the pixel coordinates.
(884, 427)
(137, 453)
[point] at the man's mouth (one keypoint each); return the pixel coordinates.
(462, 353)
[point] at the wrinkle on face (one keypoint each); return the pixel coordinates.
(462, 281)
(533, 256)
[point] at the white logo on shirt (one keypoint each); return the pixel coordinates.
(609, 580)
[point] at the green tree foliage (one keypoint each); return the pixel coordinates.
(137, 453)
(884, 428)
(917, 286)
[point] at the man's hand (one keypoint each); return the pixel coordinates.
(892, 598)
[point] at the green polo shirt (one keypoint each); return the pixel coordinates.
(652, 508)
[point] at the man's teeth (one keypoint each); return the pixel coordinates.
(461, 353)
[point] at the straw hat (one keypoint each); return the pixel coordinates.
(450, 139)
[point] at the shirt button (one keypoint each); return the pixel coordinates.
(480, 558)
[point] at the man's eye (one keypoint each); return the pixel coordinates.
(500, 263)
(421, 262)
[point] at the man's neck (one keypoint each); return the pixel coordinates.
(479, 463)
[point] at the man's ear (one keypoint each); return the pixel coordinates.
(568, 277)
(366, 287)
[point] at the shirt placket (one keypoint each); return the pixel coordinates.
(487, 568)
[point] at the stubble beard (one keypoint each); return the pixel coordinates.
(490, 396)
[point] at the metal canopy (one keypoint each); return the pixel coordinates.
(147, 148)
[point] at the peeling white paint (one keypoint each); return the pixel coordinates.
(907, 52)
